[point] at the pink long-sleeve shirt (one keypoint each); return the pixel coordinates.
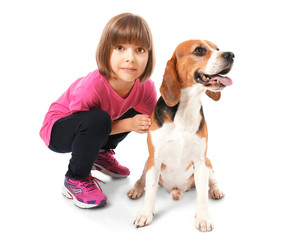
(94, 92)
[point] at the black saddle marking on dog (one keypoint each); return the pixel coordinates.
(203, 119)
(162, 110)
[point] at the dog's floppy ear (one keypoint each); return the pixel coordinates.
(214, 95)
(170, 89)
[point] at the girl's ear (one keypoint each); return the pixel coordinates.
(214, 95)
(170, 88)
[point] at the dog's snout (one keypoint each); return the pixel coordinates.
(228, 56)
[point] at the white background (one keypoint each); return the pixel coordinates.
(46, 45)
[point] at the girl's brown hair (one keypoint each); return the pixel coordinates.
(122, 29)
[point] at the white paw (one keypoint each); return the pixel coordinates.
(204, 224)
(135, 192)
(176, 194)
(216, 193)
(143, 220)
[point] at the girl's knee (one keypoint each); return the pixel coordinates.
(98, 120)
(100, 115)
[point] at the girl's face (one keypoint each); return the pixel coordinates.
(128, 61)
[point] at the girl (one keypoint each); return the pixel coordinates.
(99, 110)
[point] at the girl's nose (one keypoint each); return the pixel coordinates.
(130, 55)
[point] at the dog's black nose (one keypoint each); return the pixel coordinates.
(229, 56)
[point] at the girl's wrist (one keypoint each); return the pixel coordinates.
(128, 124)
(121, 126)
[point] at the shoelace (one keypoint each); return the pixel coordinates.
(109, 154)
(90, 183)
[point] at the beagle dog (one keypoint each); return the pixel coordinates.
(178, 135)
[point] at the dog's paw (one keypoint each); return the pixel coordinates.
(135, 192)
(216, 193)
(204, 224)
(143, 220)
(176, 194)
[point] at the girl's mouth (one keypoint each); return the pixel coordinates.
(129, 69)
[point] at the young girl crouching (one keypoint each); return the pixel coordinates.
(99, 110)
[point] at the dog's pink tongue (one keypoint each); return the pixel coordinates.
(224, 80)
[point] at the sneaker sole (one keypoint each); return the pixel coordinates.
(66, 193)
(106, 172)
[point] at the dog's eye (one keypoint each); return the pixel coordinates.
(199, 51)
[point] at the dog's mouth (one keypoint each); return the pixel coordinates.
(216, 80)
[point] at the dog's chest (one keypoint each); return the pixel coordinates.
(176, 152)
(178, 147)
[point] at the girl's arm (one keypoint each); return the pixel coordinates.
(139, 123)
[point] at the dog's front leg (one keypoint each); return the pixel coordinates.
(146, 214)
(203, 221)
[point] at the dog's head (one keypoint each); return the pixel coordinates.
(196, 62)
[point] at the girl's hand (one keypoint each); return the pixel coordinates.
(140, 123)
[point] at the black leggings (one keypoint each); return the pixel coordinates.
(84, 134)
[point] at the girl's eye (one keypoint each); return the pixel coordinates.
(140, 50)
(119, 48)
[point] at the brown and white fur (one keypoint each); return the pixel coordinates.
(178, 136)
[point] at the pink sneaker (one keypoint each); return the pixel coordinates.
(107, 164)
(85, 193)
